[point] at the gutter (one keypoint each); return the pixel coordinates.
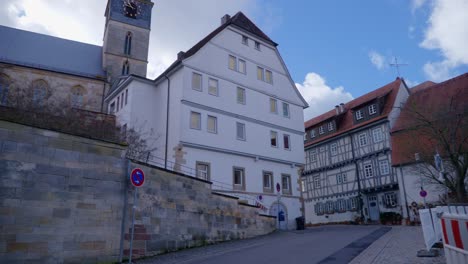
(167, 119)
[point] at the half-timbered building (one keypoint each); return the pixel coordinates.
(348, 171)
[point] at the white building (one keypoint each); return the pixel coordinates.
(348, 171)
(229, 108)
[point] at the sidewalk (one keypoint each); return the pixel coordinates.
(400, 245)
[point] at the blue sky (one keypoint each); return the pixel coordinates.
(335, 50)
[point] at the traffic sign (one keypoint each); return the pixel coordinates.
(423, 193)
(137, 177)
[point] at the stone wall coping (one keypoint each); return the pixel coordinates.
(225, 195)
(269, 216)
(246, 204)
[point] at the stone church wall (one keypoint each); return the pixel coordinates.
(62, 200)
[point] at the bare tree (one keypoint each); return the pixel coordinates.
(140, 140)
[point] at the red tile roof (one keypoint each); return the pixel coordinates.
(432, 102)
(422, 86)
(346, 123)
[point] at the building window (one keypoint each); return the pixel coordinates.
(362, 139)
(232, 63)
(384, 168)
(245, 40)
(242, 66)
(125, 68)
(267, 181)
(372, 109)
(377, 134)
(196, 82)
(4, 88)
(268, 76)
(334, 149)
(212, 124)
(40, 88)
(126, 96)
(317, 182)
(240, 131)
(368, 171)
(122, 100)
(330, 126)
(285, 109)
(112, 108)
(330, 207)
(313, 155)
(341, 205)
(341, 178)
(358, 114)
(286, 142)
(312, 133)
(305, 136)
(321, 130)
(238, 178)
(260, 74)
(286, 183)
(213, 86)
(274, 139)
(257, 45)
(240, 95)
(303, 186)
(203, 170)
(77, 93)
(195, 120)
(353, 204)
(118, 103)
(390, 200)
(273, 106)
(128, 43)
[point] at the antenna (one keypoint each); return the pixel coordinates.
(397, 65)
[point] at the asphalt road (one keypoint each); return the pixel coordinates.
(326, 244)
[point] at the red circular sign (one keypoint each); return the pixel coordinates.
(137, 177)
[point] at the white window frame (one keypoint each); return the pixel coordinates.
(267, 175)
(284, 141)
(372, 109)
(241, 185)
(330, 126)
(260, 73)
(257, 45)
(216, 87)
(243, 136)
(359, 115)
(215, 128)
(245, 40)
(321, 130)
(286, 107)
(192, 115)
(305, 136)
(268, 73)
(317, 183)
(243, 91)
(377, 134)
(362, 139)
(390, 200)
(241, 69)
(313, 155)
(273, 104)
(234, 59)
(202, 174)
(341, 178)
(286, 189)
(334, 149)
(271, 138)
(312, 133)
(201, 82)
(368, 171)
(384, 167)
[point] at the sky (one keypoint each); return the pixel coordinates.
(335, 50)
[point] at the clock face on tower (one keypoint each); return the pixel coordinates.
(131, 9)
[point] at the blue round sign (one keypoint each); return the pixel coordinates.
(423, 193)
(137, 177)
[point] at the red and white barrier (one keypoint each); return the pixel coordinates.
(455, 237)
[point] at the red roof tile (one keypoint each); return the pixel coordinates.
(422, 86)
(346, 124)
(430, 101)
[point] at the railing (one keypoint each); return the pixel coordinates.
(217, 185)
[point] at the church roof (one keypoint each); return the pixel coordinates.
(35, 50)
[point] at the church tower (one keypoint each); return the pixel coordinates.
(126, 37)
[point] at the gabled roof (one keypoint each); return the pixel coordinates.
(346, 123)
(35, 50)
(432, 101)
(421, 86)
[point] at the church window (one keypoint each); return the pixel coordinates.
(128, 43)
(4, 87)
(40, 88)
(126, 68)
(77, 93)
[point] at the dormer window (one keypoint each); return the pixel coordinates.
(245, 40)
(312, 133)
(359, 115)
(321, 130)
(372, 109)
(330, 126)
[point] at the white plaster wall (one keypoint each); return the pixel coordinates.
(400, 100)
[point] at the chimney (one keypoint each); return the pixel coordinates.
(337, 109)
(225, 19)
(180, 55)
(342, 109)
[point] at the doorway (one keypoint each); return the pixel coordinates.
(373, 205)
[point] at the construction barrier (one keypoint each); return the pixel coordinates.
(455, 235)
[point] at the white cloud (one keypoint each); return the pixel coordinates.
(416, 4)
(447, 33)
(377, 59)
(176, 25)
(320, 97)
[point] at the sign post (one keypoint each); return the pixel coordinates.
(278, 189)
(137, 177)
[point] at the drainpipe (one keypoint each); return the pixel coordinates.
(124, 215)
(167, 120)
(361, 203)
